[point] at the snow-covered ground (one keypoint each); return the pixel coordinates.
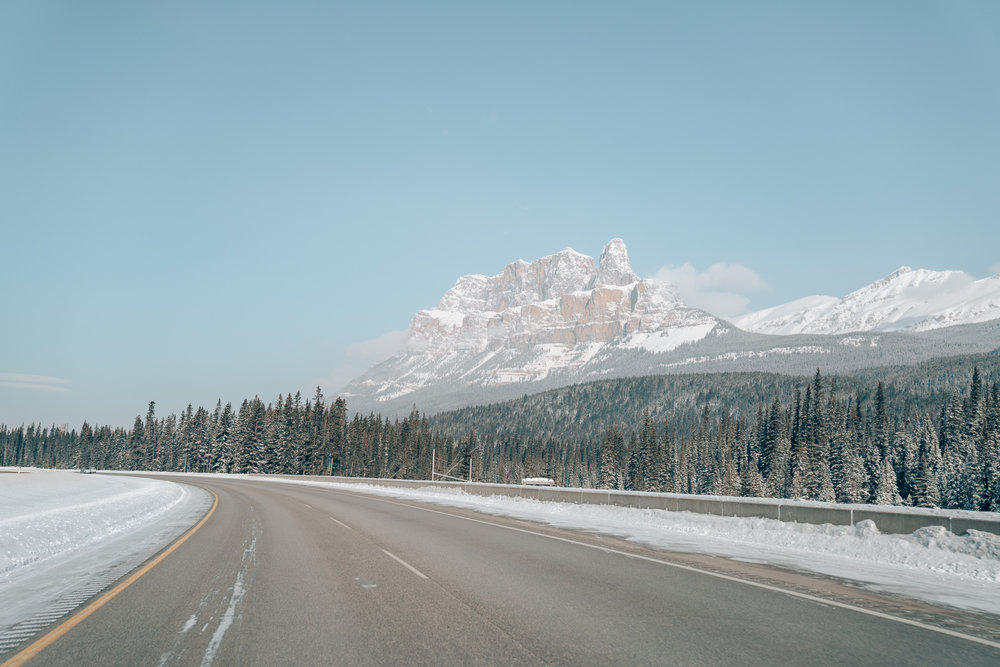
(930, 564)
(65, 536)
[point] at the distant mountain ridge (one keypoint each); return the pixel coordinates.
(565, 319)
(905, 300)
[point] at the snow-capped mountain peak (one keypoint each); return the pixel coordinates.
(565, 319)
(522, 283)
(905, 300)
(894, 275)
(614, 267)
(554, 315)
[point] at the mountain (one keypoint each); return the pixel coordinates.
(558, 314)
(559, 310)
(565, 319)
(905, 300)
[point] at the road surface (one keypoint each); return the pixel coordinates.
(283, 574)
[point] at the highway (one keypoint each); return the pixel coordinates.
(283, 574)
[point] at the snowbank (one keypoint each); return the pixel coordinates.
(65, 536)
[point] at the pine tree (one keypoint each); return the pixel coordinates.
(777, 479)
(465, 456)
(961, 473)
(974, 404)
(223, 441)
(683, 482)
(667, 473)
(258, 438)
(887, 492)
(199, 441)
(905, 459)
(185, 455)
(731, 483)
(752, 482)
(864, 446)
(880, 430)
(776, 444)
(152, 458)
(134, 457)
(799, 474)
(336, 438)
(815, 470)
(990, 501)
(611, 460)
(169, 442)
(990, 451)
(850, 476)
(647, 463)
(925, 488)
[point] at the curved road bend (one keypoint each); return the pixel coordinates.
(284, 574)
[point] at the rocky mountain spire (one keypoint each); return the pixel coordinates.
(614, 267)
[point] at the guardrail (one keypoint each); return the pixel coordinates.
(902, 520)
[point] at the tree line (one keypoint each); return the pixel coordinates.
(585, 411)
(287, 436)
(822, 444)
(824, 447)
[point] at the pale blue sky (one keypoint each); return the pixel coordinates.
(216, 200)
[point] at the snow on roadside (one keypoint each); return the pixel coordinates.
(60, 531)
(931, 563)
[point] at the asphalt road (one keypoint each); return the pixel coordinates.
(282, 574)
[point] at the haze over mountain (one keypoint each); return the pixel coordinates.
(564, 319)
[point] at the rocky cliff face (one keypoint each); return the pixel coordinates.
(562, 299)
(555, 314)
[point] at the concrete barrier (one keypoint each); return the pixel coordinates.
(751, 509)
(790, 511)
(646, 501)
(888, 520)
(959, 525)
(701, 505)
(898, 522)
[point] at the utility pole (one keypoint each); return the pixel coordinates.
(433, 452)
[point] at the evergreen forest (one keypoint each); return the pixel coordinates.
(927, 435)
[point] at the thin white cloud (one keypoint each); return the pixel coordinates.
(379, 349)
(994, 269)
(362, 356)
(34, 382)
(720, 289)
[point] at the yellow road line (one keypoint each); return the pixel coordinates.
(43, 642)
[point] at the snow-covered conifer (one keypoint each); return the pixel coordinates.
(887, 493)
